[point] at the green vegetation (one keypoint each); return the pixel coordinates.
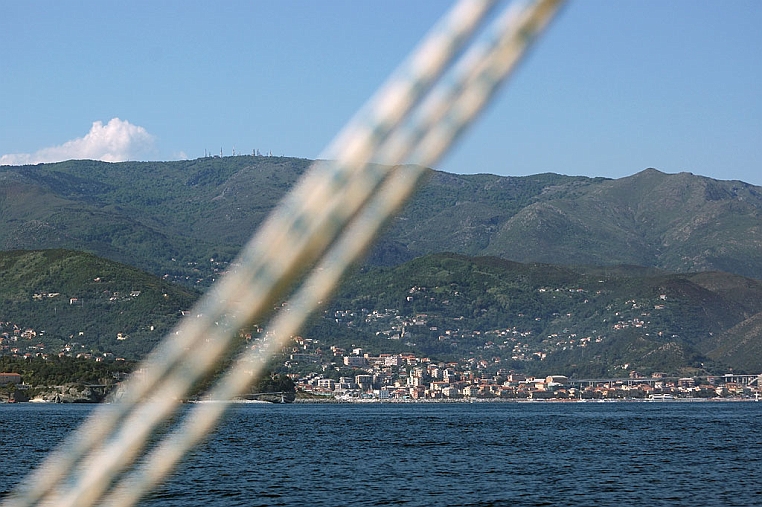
(533, 318)
(54, 300)
(181, 220)
(185, 220)
(539, 318)
(62, 370)
(274, 388)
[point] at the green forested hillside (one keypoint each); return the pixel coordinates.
(59, 298)
(540, 318)
(527, 317)
(183, 219)
(679, 223)
(186, 219)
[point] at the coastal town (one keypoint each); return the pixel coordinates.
(332, 373)
(405, 377)
(468, 330)
(351, 376)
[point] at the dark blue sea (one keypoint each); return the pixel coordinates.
(444, 454)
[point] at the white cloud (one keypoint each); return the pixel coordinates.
(116, 141)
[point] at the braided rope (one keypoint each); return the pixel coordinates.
(330, 217)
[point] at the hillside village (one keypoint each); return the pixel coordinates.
(407, 377)
(494, 346)
(486, 367)
(18, 341)
(24, 340)
(439, 327)
(520, 342)
(325, 371)
(334, 373)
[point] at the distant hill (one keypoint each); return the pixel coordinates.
(182, 219)
(540, 318)
(187, 219)
(56, 298)
(677, 223)
(535, 318)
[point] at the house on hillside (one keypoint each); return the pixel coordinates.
(10, 378)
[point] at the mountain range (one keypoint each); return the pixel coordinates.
(173, 218)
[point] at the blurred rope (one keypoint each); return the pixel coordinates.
(327, 222)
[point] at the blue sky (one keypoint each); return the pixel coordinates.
(613, 87)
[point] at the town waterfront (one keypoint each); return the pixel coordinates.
(475, 454)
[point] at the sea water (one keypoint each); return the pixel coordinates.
(445, 454)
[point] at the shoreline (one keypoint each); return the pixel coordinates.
(487, 400)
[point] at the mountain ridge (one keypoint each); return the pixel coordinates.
(171, 218)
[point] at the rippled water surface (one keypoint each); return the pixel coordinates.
(479, 454)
